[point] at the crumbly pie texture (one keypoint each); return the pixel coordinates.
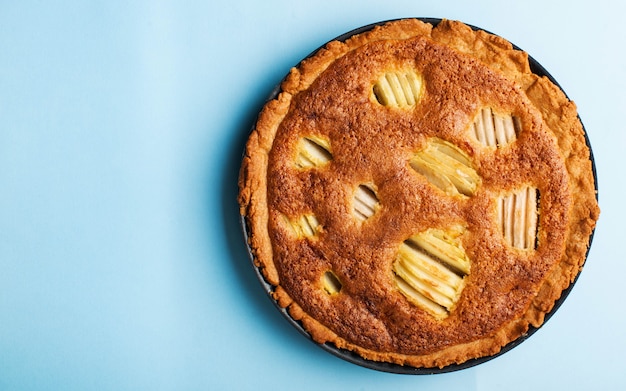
(417, 195)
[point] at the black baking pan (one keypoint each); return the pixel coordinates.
(354, 358)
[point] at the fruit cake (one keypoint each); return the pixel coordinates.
(417, 195)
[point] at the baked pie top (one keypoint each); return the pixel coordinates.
(417, 195)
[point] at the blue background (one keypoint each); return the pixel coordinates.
(122, 266)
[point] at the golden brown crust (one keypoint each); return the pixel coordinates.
(329, 96)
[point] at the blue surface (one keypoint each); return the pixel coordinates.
(122, 265)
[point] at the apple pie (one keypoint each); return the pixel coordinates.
(417, 195)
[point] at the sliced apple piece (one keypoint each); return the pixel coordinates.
(420, 300)
(422, 286)
(444, 247)
(490, 133)
(429, 269)
(398, 88)
(366, 202)
(447, 167)
(331, 283)
(519, 219)
(313, 152)
(433, 175)
(499, 126)
(509, 208)
(304, 226)
(451, 150)
(495, 130)
(479, 129)
(532, 207)
(516, 215)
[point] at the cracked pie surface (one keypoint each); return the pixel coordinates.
(417, 195)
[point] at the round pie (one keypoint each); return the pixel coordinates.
(417, 195)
